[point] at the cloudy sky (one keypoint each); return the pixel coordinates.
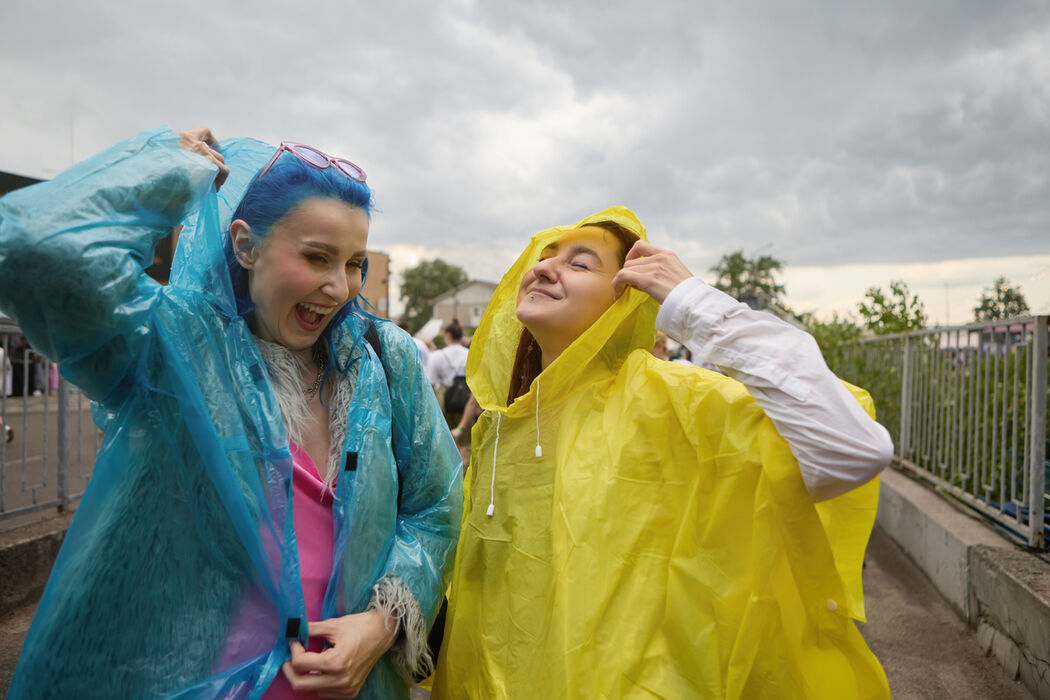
(857, 142)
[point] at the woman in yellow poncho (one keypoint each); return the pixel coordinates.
(639, 528)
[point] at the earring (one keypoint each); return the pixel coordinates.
(246, 254)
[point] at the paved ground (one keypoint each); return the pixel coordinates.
(13, 629)
(926, 650)
(29, 463)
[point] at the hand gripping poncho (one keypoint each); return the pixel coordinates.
(663, 546)
(179, 575)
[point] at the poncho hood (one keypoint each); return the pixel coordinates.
(627, 325)
(199, 262)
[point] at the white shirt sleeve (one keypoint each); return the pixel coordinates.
(836, 444)
(424, 353)
(435, 368)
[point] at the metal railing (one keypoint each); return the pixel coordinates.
(966, 406)
(47, 450)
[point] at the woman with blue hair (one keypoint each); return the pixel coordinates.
(275, 506)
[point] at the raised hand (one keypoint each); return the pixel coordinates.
(655, 271)
(200, 141)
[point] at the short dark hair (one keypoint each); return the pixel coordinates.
(454, 330)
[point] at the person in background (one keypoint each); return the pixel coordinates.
(5, 369)
(447, 368)
(424, 350)
(461, 433)
(41, 384)
(684, 357)
(23, 378)
(640, 528)
(660, 350)
(276, 501)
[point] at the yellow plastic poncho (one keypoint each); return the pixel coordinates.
(664, 544)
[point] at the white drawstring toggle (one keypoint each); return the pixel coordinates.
(492, 487)
(539, 450)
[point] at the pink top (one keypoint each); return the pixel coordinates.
(312, 515)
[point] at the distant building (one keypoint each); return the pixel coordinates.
(466, 303)
(377, 286)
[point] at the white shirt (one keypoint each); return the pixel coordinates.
(446, 364)
(836, 444)
(424, 352)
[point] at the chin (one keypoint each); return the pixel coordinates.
(531, 322)
(527, 313)
(299, 342)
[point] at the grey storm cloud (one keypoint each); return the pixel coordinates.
(822, 132)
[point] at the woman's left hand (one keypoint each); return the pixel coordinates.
(200, 141)
(356, 644)
(655, 271)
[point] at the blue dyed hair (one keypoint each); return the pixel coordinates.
(269, 198)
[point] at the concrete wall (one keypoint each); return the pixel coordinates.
(26, 557)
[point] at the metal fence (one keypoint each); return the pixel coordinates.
(966, 406)
(47, 450)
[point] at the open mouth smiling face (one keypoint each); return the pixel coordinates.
(305, 269)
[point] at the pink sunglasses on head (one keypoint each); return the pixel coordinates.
(316, 159)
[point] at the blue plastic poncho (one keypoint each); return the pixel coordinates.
(187, 524)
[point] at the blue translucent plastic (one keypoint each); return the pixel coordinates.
(179, 574)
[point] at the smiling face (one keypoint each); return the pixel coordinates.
(569, 288)
(304, 270)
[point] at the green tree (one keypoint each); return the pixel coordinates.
(422, 283)
(1002, 300)
(743, 277)
(833, 336)
(894, 312)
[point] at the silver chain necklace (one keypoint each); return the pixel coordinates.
(322, 362)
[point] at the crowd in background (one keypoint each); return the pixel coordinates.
(24, 372)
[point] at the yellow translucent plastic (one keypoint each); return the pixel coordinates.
(664, 545)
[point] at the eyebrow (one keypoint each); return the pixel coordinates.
(574, 249)
(326, 247)
(330, 249)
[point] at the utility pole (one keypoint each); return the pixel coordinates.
(947, 307)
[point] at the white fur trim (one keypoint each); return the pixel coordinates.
(410, 653)
(286, 371)
(339, 408)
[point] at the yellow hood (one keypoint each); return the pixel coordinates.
(627, 325)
